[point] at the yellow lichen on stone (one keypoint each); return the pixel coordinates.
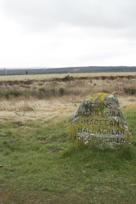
(101, 96)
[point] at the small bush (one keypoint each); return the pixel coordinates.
(130, 91)
(105, 91)
(61, 91)
(11, 93)
(44, 93)
(68, 78)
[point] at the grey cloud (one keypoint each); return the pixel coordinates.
(41, 14)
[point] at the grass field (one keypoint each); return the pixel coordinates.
(39, 164)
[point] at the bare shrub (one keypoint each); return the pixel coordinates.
(130, 91)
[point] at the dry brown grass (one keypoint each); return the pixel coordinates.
(50, 76)
(44, 99)
(34, 109)
(30, 110)
(78, 86)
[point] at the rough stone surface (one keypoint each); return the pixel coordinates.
(99, 120)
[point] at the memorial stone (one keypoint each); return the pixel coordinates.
(99, 120)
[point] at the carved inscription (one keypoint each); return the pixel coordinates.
(104, 120)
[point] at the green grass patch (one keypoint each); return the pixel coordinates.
(39, 164)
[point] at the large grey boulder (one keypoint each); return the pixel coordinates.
(99, 120)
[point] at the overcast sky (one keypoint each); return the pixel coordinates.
(57, 33)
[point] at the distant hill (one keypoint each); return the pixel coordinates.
(86, 69)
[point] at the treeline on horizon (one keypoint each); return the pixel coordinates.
(87, 69)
